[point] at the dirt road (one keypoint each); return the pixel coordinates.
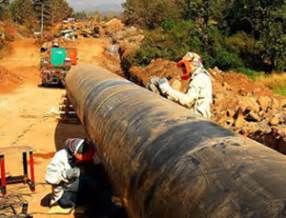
(29, 114)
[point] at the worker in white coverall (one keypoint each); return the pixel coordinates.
(199, 94)
(63, 173)
(78, 179)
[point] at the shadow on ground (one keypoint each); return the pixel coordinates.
(67, 130)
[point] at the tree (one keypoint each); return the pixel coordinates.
(273, 42)
(4, 9)
(53, 10)
(150, 14)
(81, 15)
(60, 10)
(22, 11)
(231, 33)
(266, 22)
(42, 9)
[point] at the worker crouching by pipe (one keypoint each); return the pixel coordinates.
(64, 173)
(78, 179)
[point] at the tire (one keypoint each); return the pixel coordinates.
(63, 83)
(45, 84)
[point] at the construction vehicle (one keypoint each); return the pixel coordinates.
(55, 64)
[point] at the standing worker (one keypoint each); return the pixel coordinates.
(199, 94)
(55, 44)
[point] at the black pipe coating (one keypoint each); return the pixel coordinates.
(166, 163)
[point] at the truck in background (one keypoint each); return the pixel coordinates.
(55, 64)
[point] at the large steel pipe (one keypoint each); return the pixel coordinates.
(166, 163)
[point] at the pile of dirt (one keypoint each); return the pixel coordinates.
(10, 32)
(110, 60)
(128, 39)
(122, 40)
(90, 29)
(8, 80)
(113, 26)
(159, 67)
(249, 108)
(240, 104)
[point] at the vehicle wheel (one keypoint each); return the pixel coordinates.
(63, 82)
(44, 83)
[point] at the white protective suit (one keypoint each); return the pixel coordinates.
(56, 174)
(199, 95)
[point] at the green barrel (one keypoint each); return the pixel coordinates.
(58, 56)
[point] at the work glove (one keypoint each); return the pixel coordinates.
(72, 173)
(152, 85)
(163, 85)
(154, 80)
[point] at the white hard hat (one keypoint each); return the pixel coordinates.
(194, 58)
(55, 44)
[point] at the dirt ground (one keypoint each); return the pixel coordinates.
(29, 115)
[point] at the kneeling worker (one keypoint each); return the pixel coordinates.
(63, 173)
(199, 94)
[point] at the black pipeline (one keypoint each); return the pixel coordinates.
(166, 163)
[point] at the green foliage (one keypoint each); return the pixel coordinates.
(4, 12)
(280, 91)
(54, 10)
(273, 45)
(81, 15)
(171, 41)
(218, 53)
(22, 12)
(174, 39)
(248, 72)
(228, 34)
(225, 60)
(150, 14)
(266, 21)
(45, 6)
(60, 10)
(1, 10)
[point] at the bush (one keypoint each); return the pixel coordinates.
(172, 40)
(150, 14)
(22, 11)
(226, 60)
(280, 91)
(248, 72)
(229, 34)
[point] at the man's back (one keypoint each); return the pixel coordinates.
(201, 86)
